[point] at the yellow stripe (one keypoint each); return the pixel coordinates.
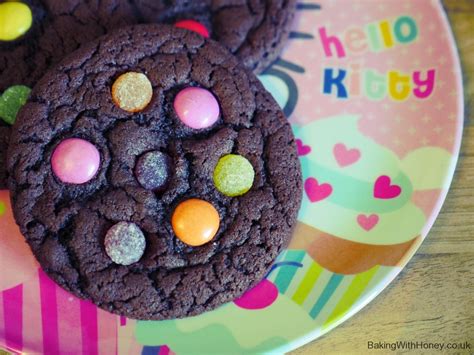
(353, 292)
(307, 283)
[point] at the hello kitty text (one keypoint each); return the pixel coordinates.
(375, 37)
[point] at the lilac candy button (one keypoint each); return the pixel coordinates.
(196, 107)
(75, 161)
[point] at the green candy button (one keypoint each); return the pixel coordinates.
(11, 101)
(233, 175)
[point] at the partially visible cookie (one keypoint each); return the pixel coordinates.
(36, 34)
(254, 30)
(154, 206)
(57, 28)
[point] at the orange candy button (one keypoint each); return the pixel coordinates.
(195, 222)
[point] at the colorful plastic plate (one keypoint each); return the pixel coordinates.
(373, 90)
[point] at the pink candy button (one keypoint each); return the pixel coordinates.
(75, 161)
(196, 107)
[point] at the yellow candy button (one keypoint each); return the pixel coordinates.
(132, 92)
(16, 19)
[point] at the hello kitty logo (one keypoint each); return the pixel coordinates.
(376, 37)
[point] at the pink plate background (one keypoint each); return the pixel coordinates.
(377, 166)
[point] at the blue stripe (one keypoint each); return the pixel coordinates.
(332, 285)
(285, 274)
(303, 6)
(282, 263)
(151, 350)
(300, 35)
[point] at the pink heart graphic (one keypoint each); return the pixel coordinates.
(344, 156)
(383, 188)
(315, 191)
(367, 222)
(302, 149)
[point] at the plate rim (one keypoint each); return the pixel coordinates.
(318, 332)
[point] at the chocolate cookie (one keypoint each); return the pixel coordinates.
(41, 32)
(151, 173)
(254, 30)
(56, 29)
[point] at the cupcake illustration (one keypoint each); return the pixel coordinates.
(363, 205)
(363, 212)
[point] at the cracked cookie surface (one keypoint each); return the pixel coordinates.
(65, 224)
(58, 28)
(253, 30)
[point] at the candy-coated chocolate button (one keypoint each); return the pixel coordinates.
(195, 222)
(11, 101)
(75, 161)
(132, 91)
(196, 107)
(233, 175)
(3, 208)
(194, 26)
(153, 170)
(124, 243)
(15, 20)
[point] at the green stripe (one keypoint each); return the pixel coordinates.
(307, 283)
(351, 295)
